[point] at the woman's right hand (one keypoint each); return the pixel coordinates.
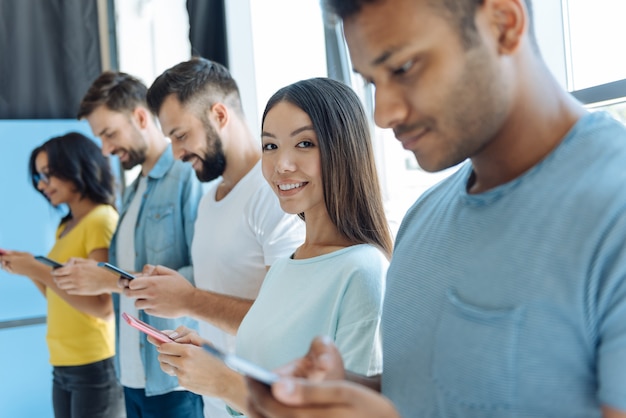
(18, 262)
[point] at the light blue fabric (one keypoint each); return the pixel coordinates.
(163, 235)
(338, 294)
(512, 303)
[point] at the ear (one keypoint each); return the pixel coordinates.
(141, 116)
(509, 23)
(219, 113)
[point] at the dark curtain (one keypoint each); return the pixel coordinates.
(49, 55)
(207, 29)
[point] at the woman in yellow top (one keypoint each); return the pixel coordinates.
(71, 170)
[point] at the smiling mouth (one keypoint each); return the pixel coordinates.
(291, 186)
(121, 154)
(192, 159)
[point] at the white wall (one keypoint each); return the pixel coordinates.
(241, 57)
(549, 31)
(273, 43)
(152, 36)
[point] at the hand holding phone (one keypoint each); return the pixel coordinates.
(110, 267)
(243, 366)
(48, 261)
(146, 328)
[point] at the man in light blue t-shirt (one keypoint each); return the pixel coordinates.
(506, 293)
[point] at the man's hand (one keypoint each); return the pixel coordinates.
(81, 276)
(160, 291)
(322, 362)
(315, 386)
(306, 399)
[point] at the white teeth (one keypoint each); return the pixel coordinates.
(290, 186)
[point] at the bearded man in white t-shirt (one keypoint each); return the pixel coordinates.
(240, 229)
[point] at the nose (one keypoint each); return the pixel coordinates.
(107, 149)
(178, 150)
(41, 185)
(284, 162)
(390, 107)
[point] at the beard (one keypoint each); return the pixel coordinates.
(135, 157)
(214, 159)
(213, 166)
(136, 153)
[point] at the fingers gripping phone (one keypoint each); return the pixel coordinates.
(243, 366)
(110, 267)
(146, 328)
(48, 262)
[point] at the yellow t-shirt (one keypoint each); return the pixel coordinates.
(76, 338)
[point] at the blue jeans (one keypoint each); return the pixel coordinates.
(175, 404)
(90, 390)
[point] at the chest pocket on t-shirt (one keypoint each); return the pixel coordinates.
(160, 227)
(475, 359)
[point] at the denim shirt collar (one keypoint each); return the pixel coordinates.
(163, 164)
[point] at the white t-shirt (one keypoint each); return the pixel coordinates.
(132, 374)
(234, 240)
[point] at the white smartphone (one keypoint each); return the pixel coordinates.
(146, 328)
(243, 366)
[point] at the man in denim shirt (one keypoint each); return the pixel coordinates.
(156, 227)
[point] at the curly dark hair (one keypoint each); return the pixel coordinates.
(75, 158)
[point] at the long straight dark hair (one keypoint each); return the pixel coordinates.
(351, 187)
(75, 158)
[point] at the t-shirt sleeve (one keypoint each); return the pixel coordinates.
(358, 330)
(99, 228)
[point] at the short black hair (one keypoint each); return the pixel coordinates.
(198, 79)
(75, 158)
(460, 12)
(117, 91)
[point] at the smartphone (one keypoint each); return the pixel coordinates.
(123, 274)
(243, 366)
(146, 328)
(48, 262)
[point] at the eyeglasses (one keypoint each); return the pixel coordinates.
(37, 177)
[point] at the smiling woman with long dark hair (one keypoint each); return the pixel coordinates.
(318, 159)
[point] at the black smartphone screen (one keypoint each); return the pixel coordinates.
(47, 261)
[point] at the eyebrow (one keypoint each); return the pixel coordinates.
(384, 56)
(103, 131)
(294, 133)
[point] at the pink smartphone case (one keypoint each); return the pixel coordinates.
(146, 328)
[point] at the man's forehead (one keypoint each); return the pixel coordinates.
(383, 29)
(366, 47)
